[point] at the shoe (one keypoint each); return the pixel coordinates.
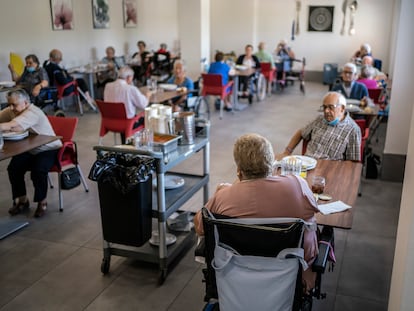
(19, 207)
(228, 109)
(40, 210)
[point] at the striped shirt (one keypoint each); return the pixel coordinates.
(338, 142)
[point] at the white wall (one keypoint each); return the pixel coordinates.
(234, 24)
(27, 29)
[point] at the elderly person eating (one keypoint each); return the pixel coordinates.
(333, 135)
(20, 116)
(258, 194)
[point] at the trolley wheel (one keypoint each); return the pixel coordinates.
(202, 109)
(261, 88)
(162, 276)
(106, 263)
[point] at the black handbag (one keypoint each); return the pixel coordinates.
(70, 178)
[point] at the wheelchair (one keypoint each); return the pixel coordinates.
(296, 72)
(264, 237)
(256, 87)
(197, 103)
(48, 98)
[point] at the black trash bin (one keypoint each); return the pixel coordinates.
(125, 196)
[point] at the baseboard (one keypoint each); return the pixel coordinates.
(393, 167)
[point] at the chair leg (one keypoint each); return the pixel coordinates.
(85, 185)
(221, 108)
(90, 103)
(50, 181)
(60, 192)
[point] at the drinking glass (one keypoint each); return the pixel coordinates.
(318, 184)
(291, 166)
(144, 139)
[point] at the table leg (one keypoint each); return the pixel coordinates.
(237, 106)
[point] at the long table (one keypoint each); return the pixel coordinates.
(342, 183)
(9, 225)
(162, 96)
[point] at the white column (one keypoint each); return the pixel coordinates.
(400, 140)
(194, 33)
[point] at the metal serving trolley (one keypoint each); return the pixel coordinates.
(165, 202)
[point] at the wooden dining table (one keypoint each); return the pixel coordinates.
(8, 225)
(342, 183)
(160, 96)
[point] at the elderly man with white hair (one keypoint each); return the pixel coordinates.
(333, 135)
(349, 87)
(123, 90)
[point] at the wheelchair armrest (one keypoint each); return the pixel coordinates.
(325, 244)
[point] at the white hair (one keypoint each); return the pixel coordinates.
(341, 98)
(352, 66)
(125, 72)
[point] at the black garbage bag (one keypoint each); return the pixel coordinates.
(123, 171)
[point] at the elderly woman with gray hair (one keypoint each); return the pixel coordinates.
(258, 194)
(21, 116)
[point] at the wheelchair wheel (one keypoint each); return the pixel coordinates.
(202, 109)
(261, 88)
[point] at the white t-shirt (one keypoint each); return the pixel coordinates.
(121, 91)
(35, 120)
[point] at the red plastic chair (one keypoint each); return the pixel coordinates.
(362, 123)
(73, 93)
(67, 155)
(114, 119)
(213, 85)
(269, 74)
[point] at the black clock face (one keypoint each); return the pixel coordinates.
(320, 18)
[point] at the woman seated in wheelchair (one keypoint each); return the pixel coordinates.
(33, 79)
(250, 61)
(182, 81)
(284, 57)
(258, 194)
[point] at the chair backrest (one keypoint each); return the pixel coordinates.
(265, 67)
(375, 95)
(64, 126)
(18, 63)
(262, 237)
(112, 110)
(212, 80)
(362, 123)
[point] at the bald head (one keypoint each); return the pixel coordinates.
(55, 55)
(367, 60)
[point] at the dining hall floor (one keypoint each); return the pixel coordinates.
(54, 263)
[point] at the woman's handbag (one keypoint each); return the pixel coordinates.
(70, 178)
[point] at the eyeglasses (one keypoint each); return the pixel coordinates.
(329, 107)
(348, 72)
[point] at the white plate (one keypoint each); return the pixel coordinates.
(171, 182)
(168, 87)
(241, 67)
(307, 162)
(155, 239)
(7, 83)
(351, 101)
(15, 135)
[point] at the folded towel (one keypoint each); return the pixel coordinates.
(333, 207)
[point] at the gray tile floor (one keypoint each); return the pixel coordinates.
(54, 263)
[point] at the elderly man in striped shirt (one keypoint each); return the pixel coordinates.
(333, 135)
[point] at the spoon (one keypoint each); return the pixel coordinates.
(353, 7)
(344, 7)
